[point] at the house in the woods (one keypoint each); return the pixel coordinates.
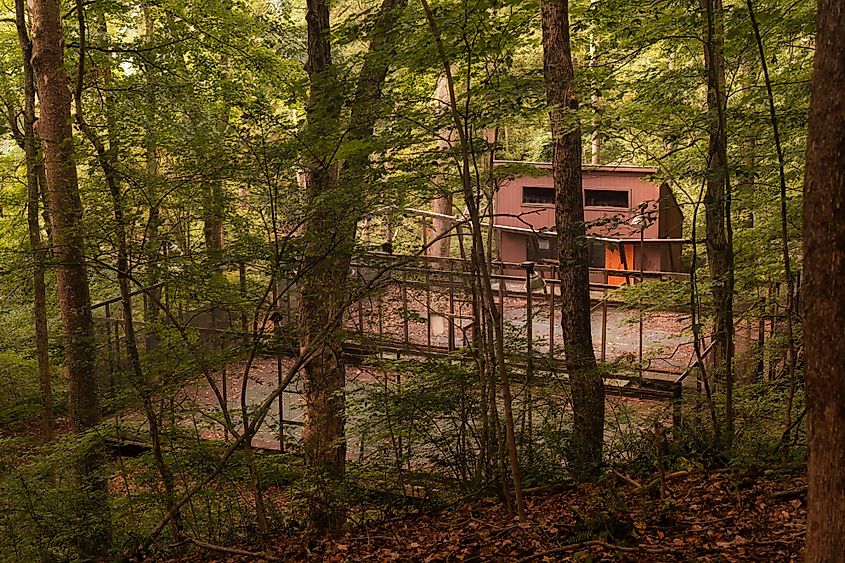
(633, 223)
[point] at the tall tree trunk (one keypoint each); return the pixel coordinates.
(366, 107)
(54, 129)
(334, 208)
(328, 239)
(791, 358)
(39, 252)
(717, 207)
(152, 244)
(587, 384)
(214, 204)
(213, 216)
(595, 137)
(824, 287)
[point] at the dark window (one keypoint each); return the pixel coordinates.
(538, 249)
(538, 195)
(595, 254)
(606, 198)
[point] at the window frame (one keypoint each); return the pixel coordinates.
(626, 191)
(538, 204)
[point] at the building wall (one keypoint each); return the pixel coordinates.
(512, 212)
(601, 221)
(671, 225)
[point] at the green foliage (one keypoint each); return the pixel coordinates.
(21, 401)
(206, 114)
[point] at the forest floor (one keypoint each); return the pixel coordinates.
(741, 515)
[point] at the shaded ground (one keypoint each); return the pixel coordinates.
(262, 381)
(665, 347)
(738, 516)
(667, 343)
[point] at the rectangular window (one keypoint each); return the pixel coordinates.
(607, 198)
(595, 254)
(538, 195)
(538, 249)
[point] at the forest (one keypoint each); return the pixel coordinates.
(446, 280)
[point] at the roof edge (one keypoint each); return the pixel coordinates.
(592, 167)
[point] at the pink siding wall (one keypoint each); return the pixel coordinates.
(512, 212)
(509, 203)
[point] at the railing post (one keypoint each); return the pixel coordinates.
(552, 314)
(451, 324)
(110, 360)
(502, 292)
(405, 327)
(281, 402)
(604, 328)
(428, 305)
(529, 363)
(529, 324)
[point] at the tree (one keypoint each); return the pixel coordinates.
(54, 129)
(824, 290)
(717, 197)
(329, 235)
(586, 382)
(334, 193)
(442, 202)
(107, 153)
(35, 183)
(154, 219)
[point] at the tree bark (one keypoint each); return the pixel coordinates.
(334, 199)
(54, 129)
(824, 287)
(152, 244)
(213, 217)
(214, 205)
(717, 199)
(366, 109)
(328, 237)
(586, 382)
(39, 251)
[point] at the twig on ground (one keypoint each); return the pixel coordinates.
(627, 479)
(548, 489)
(669, 476)
(789, 493)
(232, 550)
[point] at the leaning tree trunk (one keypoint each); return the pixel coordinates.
(39, 251)
(367, 107)
(824, 288)
(717, 199)
(108, 156)
(54, 128)
(480, 265)
(586, 382)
